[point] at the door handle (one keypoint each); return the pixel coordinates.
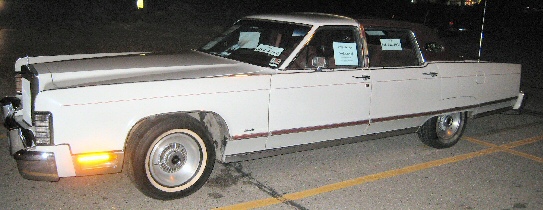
(433, 74)
(364, 77)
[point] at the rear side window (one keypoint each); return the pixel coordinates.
(392, 48)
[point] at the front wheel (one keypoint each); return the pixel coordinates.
(443, 131)
(172, 159)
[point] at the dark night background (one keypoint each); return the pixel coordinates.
(512, 27)
(46, 12)
(513, 31)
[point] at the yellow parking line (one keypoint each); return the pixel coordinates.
(508, 147)
(391, 173)
(525, 155)
(360, 180)
(523, 142)
(480, 142)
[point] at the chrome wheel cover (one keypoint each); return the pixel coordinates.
(176, 160)
(448, 126)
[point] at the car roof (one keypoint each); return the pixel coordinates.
(316, 19)
(424, 34)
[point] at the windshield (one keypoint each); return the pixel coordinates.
(258, 42)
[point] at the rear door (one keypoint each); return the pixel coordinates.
(404, 89)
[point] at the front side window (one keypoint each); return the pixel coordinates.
(330, 48)
(262, 43)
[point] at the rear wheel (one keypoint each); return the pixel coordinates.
(172, 159)
(443, 131)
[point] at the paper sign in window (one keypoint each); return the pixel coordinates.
(345, 54)
(248, 40)
(391, 44)
(271, 50)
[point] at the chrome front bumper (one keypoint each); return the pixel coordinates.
(37, 165)
(34, 165)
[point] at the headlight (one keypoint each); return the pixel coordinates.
(43, 128)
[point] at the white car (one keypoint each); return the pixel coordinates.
(270, 84)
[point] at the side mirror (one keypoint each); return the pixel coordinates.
(434, 47)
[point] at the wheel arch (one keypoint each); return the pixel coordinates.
(470, 113)
(214, 124)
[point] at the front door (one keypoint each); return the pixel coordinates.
(323, 94)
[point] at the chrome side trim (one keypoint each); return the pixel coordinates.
(304, 147)
(435, 113)
(328, 143)
(320, 127)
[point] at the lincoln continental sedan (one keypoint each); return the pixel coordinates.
(268, 85)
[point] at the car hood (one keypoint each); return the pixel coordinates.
(137, 67)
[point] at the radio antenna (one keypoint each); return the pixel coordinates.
(482, 33)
